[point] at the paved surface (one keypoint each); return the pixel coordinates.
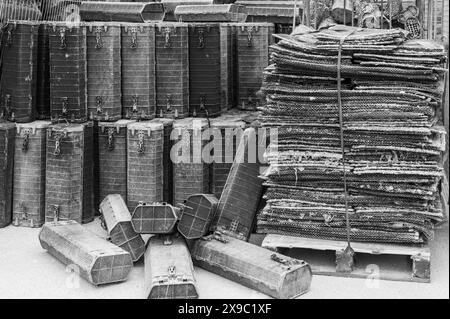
(28, 271)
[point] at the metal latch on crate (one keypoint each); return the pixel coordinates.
(135, 99)
(285, 262)
(26, 139)
(62, 38)
(250, 31)
(99, 103)
(216, 236)
(58, 139)
(134, 43)
(171, 276)
(141, 147)
(110, 139)
(167, 42)
(201, 38)
(98, 36)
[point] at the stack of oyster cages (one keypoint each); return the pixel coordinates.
(394, 141)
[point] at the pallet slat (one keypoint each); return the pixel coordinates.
(380, 261)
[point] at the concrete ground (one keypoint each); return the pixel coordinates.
(28, 271)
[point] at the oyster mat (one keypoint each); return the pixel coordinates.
(391, 99)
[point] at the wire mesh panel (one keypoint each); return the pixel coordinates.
(422, 18)
(154, 218)
(197, 215)
(19, 10)
(117, 221)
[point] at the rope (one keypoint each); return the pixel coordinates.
(341, 128)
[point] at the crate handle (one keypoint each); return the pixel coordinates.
(134, 43)
(409, 18)
(98, 38)
(110, 139)
(414, 27)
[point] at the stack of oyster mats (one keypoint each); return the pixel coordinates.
(389, 90)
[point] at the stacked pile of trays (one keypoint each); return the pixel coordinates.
(388, 91)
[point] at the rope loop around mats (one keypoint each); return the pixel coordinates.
(341, 128)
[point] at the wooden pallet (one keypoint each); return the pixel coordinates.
(371, 260)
